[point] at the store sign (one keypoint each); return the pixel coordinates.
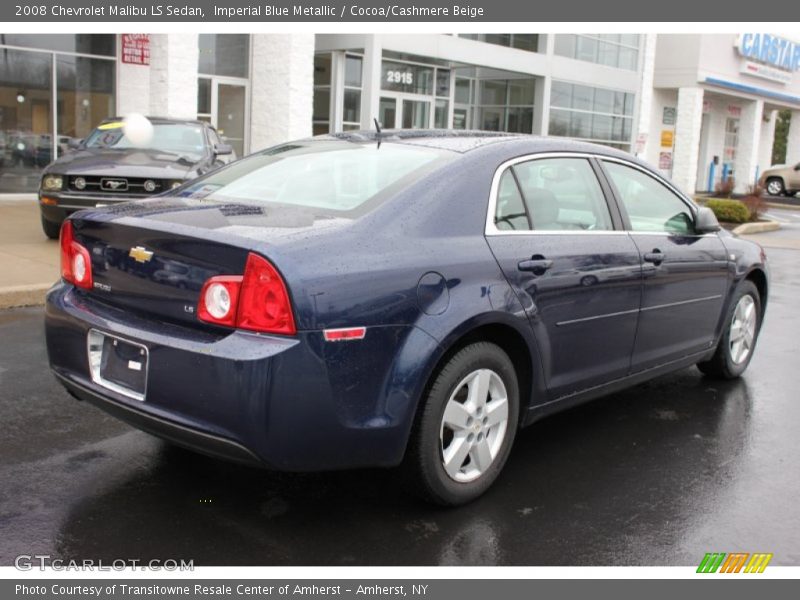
(667, 138)
(768, 56)
(665, 161)
(136, 48)
(406, 77)
(641, 143)
(734, 111)
(669, 115)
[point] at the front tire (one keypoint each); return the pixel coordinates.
(51, 229)
(775, 186)
(738, 340)
(466, 426)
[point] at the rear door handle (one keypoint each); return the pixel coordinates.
(537, 265)
(656, 257)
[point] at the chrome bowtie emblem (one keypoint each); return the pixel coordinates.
(140, 254)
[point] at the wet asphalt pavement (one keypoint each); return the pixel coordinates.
(657, 475)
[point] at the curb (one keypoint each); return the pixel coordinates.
(23, 295)
(783, 206)
(750, 228)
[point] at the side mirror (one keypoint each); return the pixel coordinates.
(74, 143)
(706, 221)
(797, 167)
(223, 149)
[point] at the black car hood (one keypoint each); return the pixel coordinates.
(134, 162)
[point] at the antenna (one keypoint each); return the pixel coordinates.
(378, 129)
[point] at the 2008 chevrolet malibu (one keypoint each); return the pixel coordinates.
(378, 299)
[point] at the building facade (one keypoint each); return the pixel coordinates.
(678, 101)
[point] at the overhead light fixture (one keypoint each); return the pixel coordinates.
(20, 97)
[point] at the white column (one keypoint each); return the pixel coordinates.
(645, 105)
(371, 83)
(747, 151)
(687, 138)
(793, 139)
(767, 140)
(133, 89)
(281, 89)
(173, 75)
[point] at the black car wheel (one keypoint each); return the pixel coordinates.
(775, 186)
(466, 426)
(51, 229)
(736, 345)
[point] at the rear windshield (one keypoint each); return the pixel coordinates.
(333, 176)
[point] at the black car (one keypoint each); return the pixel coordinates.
(106, 167)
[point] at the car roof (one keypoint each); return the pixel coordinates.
(463, 141)
(161, 120)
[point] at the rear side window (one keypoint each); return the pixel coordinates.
(563, 194)
(650, 205)
(329, 175)
(511, 213)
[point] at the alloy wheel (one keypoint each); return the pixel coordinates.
(774, 187)
(743, 329)
(474, 425)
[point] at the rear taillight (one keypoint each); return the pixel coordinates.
(76, 263)
(257, 300)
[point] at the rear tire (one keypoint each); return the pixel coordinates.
(738, 341)
(465, 427)
(775, 186)
(51, 230)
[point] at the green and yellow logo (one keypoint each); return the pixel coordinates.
(734, 562)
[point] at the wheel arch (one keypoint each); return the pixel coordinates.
(759, 278)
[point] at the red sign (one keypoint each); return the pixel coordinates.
(136, 48)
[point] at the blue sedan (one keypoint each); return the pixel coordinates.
(396, 298)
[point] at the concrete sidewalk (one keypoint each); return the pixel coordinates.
(30, 262)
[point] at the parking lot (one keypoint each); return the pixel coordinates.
(656, 475)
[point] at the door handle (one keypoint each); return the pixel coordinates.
(656, 257)
(536, 265)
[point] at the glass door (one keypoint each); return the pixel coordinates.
(416, 114)
(223, 103)
(406, 111)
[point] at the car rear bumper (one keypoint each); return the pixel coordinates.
(287, 403)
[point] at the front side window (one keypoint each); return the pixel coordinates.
(650, 205)
(563, 194)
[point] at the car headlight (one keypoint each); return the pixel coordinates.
(52, 183)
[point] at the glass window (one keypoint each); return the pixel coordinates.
(352, 106)
(25, 119)
(85, 95)
(82, 43)
(521, 41)
(520, 91)
(510, 213)
(442, 82)
(322, 69)
(613, 50)
(493, 119)
(731, 139)
(563, 194)
(204, 96)
(440, 114)
(650, 205)
(322, 104)
(226, 54)
(403, 77)
(463, 90)
(352, 71)
(493, 92)
(526, 41)
(332, 176)
(588, 113)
